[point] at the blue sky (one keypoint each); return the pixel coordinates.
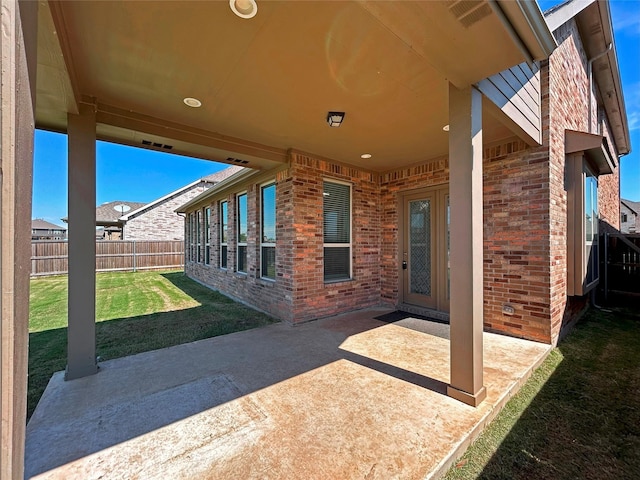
(137, 175)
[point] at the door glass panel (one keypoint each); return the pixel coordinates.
(420, 246)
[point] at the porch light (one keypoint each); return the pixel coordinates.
(244, 8)
(335, 119)
(365, 155)
(446, 128)
(192, 102)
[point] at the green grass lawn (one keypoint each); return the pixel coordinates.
(577, 417)
(135, 312)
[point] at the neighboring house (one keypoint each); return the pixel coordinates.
(629, 216)
(108, 218)
(43, 230)
(158, 220)
(317, 237)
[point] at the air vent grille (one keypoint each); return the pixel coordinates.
(468, 12)
(163, 146)
(237, 160)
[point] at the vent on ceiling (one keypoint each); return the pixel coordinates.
(468, 12)
(237, 160)
(163, 146)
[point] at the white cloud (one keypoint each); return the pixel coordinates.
(626, 16)
(634, 120)
(632, 104)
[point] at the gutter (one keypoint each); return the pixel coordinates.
(521, 19)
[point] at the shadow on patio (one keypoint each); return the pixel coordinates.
(344, 397)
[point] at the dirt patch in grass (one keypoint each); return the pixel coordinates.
(136, 312)
(577, 417)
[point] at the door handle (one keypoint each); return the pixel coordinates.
(404, 265)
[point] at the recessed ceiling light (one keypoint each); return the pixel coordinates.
(244, 8)
(446, 128)
(192, 102)
(365, 155)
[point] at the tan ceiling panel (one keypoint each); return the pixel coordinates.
(271, 80)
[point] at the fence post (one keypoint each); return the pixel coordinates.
(606, 267)
(134, 256)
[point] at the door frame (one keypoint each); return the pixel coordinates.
(439, 242)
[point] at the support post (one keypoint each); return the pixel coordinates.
(18, 57)
(81, 333)
(465, 189)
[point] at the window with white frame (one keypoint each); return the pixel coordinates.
(223, 234)
(241, 233)
(199, 236)
(207, 235)
(337, 231)
(268, 237)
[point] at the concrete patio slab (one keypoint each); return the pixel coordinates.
(345, 397)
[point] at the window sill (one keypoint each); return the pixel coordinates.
(342, 280)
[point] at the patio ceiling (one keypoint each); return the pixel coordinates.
(266, 84)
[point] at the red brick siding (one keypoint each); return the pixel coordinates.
(516, 240)
(272, 297)
(312, 297)
(567, 108)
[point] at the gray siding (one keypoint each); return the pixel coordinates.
(517, 93)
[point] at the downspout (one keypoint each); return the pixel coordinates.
(184, 268)
(590, 70)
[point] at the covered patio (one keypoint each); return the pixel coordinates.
(195, 79)
(345, 397)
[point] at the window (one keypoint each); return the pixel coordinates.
(192, 237)
(337, 231)
(223, 234)
(241, 224)
(623, 218)
(591, 227)
(268, 237)
(207, 235)
(582, 226)
(198, 236)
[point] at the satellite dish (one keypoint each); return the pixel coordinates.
(122, 208)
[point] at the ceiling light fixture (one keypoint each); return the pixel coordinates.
(446, 128)
(192, 102)
(244, 8)
(335, 119)
(365, 155)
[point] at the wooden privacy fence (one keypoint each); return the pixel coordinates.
(621, 263)
(50, 257)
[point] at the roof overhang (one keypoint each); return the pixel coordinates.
(267, 83)
(594, 147)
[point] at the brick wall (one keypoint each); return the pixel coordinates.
(272, 297)
(161, 222)
(312, 297)
(567, 107)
